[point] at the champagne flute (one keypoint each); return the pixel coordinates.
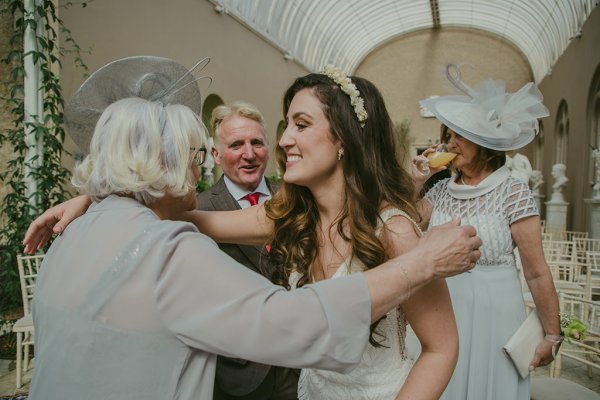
(440, 157)
(436, 159)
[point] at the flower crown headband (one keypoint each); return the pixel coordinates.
(345, 83)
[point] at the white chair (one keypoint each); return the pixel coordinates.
(28, 270)
(587, 244)
(583, 245)
(593, 273)
(547, 236)
(567, 278)
(559, 250)
(585, 351)
(571, 235)
(556, 232)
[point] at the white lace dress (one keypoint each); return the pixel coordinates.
(382, 370)
(487, 302)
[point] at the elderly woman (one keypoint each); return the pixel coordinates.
(488, 303)
(131, 305)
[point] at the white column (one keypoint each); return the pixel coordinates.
(33, 100)
(595, 220)
(556, 214)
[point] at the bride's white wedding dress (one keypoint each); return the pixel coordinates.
(382, 370)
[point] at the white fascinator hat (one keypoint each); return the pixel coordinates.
(489, 116)
(151, 78)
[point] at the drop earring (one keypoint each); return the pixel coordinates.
(340, 154)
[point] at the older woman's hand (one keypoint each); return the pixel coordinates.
(450, 249)
(53, 221)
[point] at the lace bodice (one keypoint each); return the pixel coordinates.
(382, 370)
(491, 207)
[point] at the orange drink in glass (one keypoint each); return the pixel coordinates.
(439, 158)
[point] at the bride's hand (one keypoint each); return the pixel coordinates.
(53, 221)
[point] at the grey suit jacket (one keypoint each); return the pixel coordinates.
(236, 376)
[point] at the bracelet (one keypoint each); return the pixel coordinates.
(408, 285)
(556, 340)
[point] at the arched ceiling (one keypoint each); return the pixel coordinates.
(344, 32)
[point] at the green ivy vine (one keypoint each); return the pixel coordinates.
(17, 210)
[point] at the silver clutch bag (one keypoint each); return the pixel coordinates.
(520, 348)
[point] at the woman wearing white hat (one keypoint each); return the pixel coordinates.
(488, 303)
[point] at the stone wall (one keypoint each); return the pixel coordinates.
(574, 81)
(6, 25)
(411, 68)
(243, 65)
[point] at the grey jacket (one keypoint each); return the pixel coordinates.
(129, 306)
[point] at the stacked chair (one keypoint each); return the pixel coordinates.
(28, 270)
(586, 350)
(574, 261)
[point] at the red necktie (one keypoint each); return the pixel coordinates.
(252, 198)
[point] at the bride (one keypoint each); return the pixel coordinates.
(346, 205)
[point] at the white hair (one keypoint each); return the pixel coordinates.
(142, 149)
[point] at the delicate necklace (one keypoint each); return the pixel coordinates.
(326, 265)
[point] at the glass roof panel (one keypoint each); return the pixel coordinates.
(317, 32)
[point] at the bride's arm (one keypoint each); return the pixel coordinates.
(429, 312)
(53, 221)
(247, 226)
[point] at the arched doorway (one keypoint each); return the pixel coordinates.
(210, 171)
(561, 133)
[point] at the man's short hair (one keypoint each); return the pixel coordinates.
(240, 108)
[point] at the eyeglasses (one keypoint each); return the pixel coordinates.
(199, 156)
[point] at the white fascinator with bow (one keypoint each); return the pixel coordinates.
(148, 77)
(489, 116)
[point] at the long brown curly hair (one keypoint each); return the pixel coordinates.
(373, 177)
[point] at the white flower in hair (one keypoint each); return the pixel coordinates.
(345, 83)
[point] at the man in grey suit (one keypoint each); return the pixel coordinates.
(240, 148)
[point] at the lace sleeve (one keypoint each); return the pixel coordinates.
(434, 193)
(519, 202)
